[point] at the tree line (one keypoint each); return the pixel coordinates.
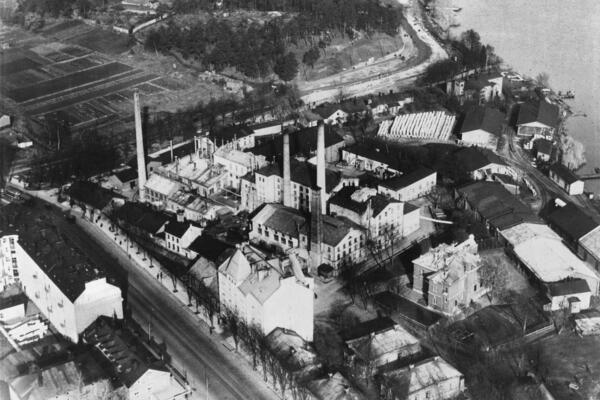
(257, 50)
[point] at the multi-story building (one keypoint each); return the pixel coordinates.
(409, 186)
(539, 120)
(267, 293)
(9, 273)
(448, 275)
(179, 235)
(237, 164)
(60, 280)
(343, 242)
(372, 159)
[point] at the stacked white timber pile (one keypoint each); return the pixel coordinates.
(434, 125)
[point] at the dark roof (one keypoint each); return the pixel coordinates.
(474, 158)
(57, 256)
(485, 118)
(496, 204)
(543, 112)
(7, 302)
(543, 146)
(569, 286)
(142, 216)
(210, 248)
(401, 181)
(564, 173)
(302, 142)
(176, 228)
(126, 175)
(349, 106)
(229, 132)
(336, 228)
(265, 124)
(303, 173)
(165, 156)
(408, 208)
(571, 221)
(287, 220)
(366, 328)
(91, 194)
(374, 153)
(343, 198)
(388, 98)
(124, 348)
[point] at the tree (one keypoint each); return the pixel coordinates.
(542, 79)
(286, 67)
(440, 71)
(493, 277)
(311, 56)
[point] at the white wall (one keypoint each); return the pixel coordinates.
(156, 385)
(99, 298)
(560, 302)
(413, 191)
(291, 307)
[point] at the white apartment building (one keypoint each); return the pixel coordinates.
(267, 293)
(60, 282)
(180, 234)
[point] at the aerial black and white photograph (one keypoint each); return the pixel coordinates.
(300, 199)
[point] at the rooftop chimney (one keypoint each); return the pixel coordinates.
(139, 145)
(321, 164)
(171, 148)
(287, 184)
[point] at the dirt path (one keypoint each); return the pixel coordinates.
(383, 74)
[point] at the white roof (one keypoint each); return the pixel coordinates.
(526, 231)
(550, 260)
(162, 185)
(248, 160)
(426, 374)
(591, 242)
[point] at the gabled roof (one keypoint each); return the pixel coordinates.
(334, 387)
(543, 146)
(143, 217)
(344, 198)
(401, 181)
(496, 204)
(236, 266)
(484, 118)
(394, 340)
(427, 374)
(568, 286)
(572, 221)
(376, 325)
(286, 220)
(564, 173)
(543, 112)
(176, 228)
(474, 158)
(293, 352)
(210, 248)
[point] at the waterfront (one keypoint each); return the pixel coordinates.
(559, 37)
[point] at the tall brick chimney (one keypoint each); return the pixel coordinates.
(316, 226)
(287, 180)
(139, 146)
(321, 165)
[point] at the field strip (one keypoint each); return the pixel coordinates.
(80, 97)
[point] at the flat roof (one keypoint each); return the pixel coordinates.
(401, 181)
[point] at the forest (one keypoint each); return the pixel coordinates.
(258, 50)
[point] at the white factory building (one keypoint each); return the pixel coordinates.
(433, 125)
(237, 164)
(59, 280)
(267, 293)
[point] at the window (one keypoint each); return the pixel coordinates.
(475, 288)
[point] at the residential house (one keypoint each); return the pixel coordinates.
(331, 113)
(136, 369)
(537, 120)
(180, 234)
(494, 89)
(59, 279)
(381, 348)
(494, 206)
(571, 223)
(267, 292)
(433, 379)
(410, 185)
(482, 127)
(123, 181)
(343, 241)
(566, 179)
(92, 196)
(541, 253)
(572, 294)
(388, 104)
(333, 386)
(448, 276)
(142, 220)
(5, 121)
(160, 188)
(482, 164)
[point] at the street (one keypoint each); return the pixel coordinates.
(194, 351)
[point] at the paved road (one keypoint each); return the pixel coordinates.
(193, 349)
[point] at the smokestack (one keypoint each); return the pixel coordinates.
(139, 145)
(321, 164)
(171, 149)
(316, 226)
(287, 184)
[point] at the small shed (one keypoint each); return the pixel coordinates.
(5, 121)
(573, 294)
